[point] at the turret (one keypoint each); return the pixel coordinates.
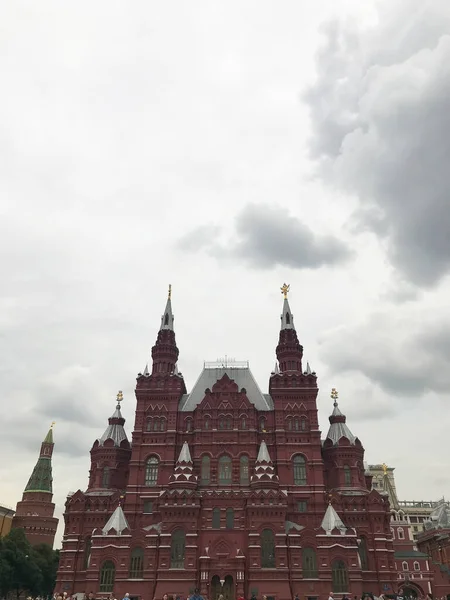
(289, 350)
(165, 351)
(342, 452)
(110, 455)
(34, 513)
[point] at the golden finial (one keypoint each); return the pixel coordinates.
(334, 394)
(170, 291)
(385, 468)
(285, 289)
(53, 423)
(119, 396)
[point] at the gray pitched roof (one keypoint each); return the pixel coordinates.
(185, 455)
(240, 374)
(338, 427)
(117, 521)
(263, 454)
(115, 430)
(332, 520)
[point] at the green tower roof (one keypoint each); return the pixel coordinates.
(41, 477)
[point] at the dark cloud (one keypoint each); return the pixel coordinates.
(380, 111)
(406, 354)
(267, 236)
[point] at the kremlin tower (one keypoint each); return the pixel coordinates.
(34, 513)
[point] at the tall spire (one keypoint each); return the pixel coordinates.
(41, 477)
(115, 430)
(338, 426)
(167, 318)
(165, 351)
(289, 351)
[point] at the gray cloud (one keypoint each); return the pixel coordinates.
(406, 354)
(267, 236)
(380, 111)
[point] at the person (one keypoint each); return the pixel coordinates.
(196, 595)
(331, 596)
(127, 595)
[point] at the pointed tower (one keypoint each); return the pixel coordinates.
(342, 452)
(34, 513)
(289, 350)
(264, 475)
(110, 455)
(165, 351)
(183, 476)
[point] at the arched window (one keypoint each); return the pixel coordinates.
(404, 565)
(229, 423)
(347, 475)
(393, 533)
(151, 471)
(188, 424)
(107, 576)
(137, 563)
(400, 534)
(362, 551)
(149, 425)
(309, 563)
(262, 425)
(339, 576)
(416, 566)
(229, 519)
(224, 469)
(243, 464)
(299, 470)
(205, 474)
(303, 424)
(177, 547)
(87, 552)
(296, 424)
(288, 319)
(243, 423)
(221, 422)
(215, 518)
(290, 424)
(206, 424)
(155, 424)
(105, 477)
(162, 425)
(267, 549)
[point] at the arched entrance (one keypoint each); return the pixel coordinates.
(226, 590)
(410, 592)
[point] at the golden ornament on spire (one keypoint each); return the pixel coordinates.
(285, 289)
(385, 468)
(334, 394)
(119, 396)
(170, 292)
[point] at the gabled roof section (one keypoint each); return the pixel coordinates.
(115, 430)
(213, 372)
(331, 521)
(117, 522)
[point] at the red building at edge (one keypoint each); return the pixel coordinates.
(227, 489)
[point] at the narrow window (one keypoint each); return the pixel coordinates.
(137, 563)
(105, 477)
(229, 519)
(309, 563)
(299, 470)
(267, 549)
(107, 576)
(225, 470)
(205, 473)
(148, 507)
(303, 424)
(347, 475)
(151, 471)
(244, 470)
(206, 423)
(339, 576)
(362, 551)
(288, 319)
(243, 423)
(216, 518)
(177, 549)
(302, 506)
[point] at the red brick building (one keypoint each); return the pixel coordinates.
(435, 542)
(34, 513)
(228, 489)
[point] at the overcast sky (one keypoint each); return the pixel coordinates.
(225, 147)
